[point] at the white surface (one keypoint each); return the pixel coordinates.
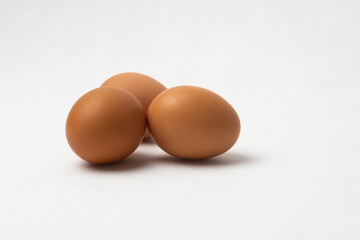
(290, 69)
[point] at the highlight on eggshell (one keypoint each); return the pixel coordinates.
(193, 123)
(108, 123)
(105, 125)
(143, 87)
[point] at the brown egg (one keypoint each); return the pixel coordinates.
(193, 123)
(105, 125)
(143, 87)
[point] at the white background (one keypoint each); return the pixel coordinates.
(291, 69)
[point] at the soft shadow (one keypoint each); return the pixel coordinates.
(132, 162)
(148, 141)
(138, 161)
(226, 159)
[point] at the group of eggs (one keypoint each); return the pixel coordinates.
(108, 123)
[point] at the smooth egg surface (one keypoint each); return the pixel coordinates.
(193, 123)
(105, 125)
(143, 87)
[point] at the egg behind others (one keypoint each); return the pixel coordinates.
(143, 87)
(105, 125)
(193, 123)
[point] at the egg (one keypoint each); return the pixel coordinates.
(143, 87)
(193, 123)
(105, 125)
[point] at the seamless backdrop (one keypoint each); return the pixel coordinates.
(289, 68)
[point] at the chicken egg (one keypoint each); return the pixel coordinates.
(105, 125)
(143, 87)
(193, 123)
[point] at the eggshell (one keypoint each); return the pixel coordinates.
(193, 123)
(105, 125)
(143, 87)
